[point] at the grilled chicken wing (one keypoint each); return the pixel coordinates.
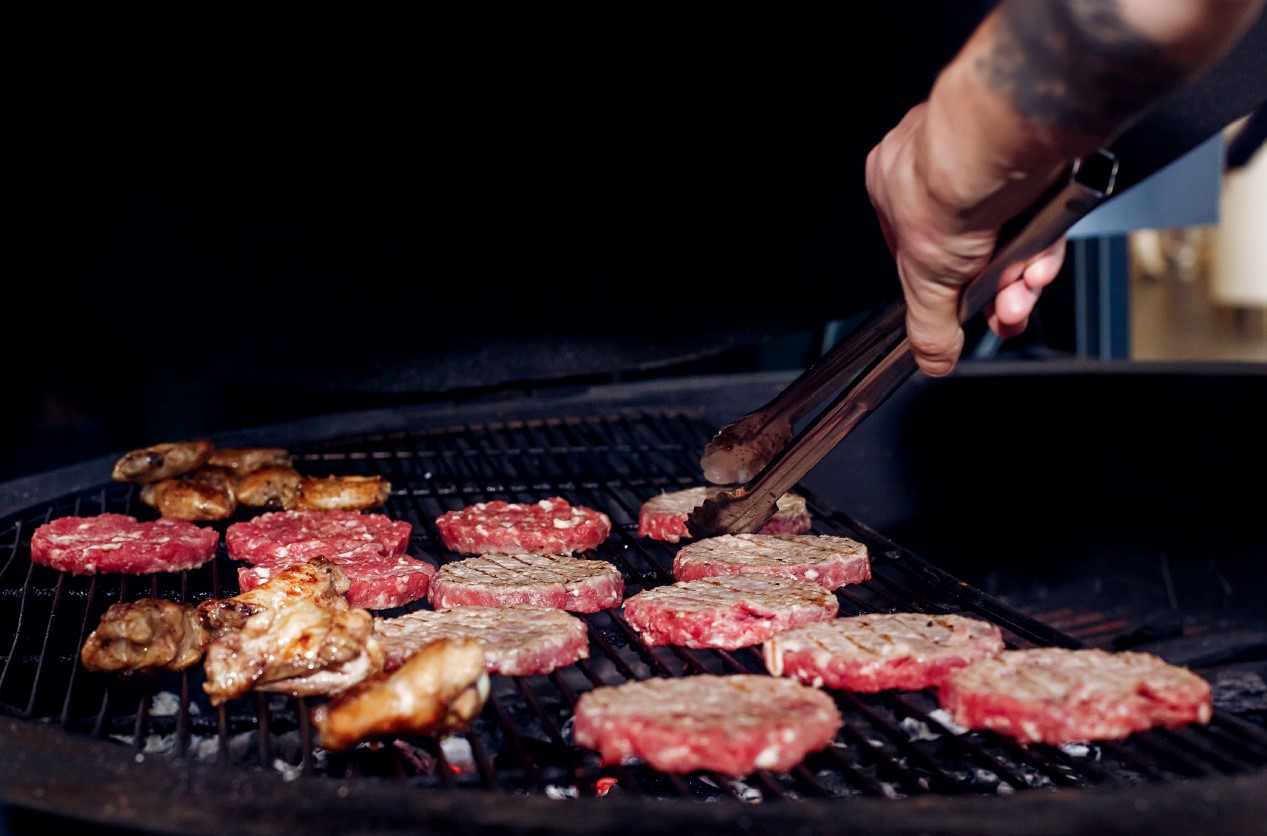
(439, 689)
(272, 487)
(162, 461)
(206, 494)
(340, 493)
(244, 460)
(319, 580)
(145, 636)
(303, 649)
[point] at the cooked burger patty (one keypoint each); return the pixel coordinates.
(541, 580)
(729, 724)
(663, 517)
(728, 611)
(119, 543)
(878, 651)
(827, 560)
(1055, 695)
(517, 640)
(551, 526)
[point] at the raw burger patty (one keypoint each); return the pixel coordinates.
(539, 580)
(285, 538)
(874, 652)
(369, 548)
(551, 526)
(517, 640)
(826, 560)
(729, 724)
(1055, 695)
(663, 517)
(728, 611)
(119, 543)
(376, 582)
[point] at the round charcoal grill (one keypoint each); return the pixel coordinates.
(150, 753)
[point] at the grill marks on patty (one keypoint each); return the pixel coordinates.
(878, 651)
(663, 517)
(543, 580)
(826, 560)
(733, 724)
(728, 611)
(1056, 695)
(517, 640)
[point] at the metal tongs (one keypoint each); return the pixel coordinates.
(761, 450)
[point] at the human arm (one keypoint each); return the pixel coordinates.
(1038, 83)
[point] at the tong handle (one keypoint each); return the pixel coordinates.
(751, 505)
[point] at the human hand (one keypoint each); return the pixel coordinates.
(940, 245)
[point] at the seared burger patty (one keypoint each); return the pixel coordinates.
(517, 640)
(728, 611)
(1055, 695)
(540, 580)
(829, 561)
(729, 724)
(663, 517)
(878, 651)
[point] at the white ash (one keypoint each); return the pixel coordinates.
(553, 791)
(458, 753)
(943, 717)
(288, 771)
(167, 704)
(918, 729)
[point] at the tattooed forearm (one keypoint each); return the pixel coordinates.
(1075, 66)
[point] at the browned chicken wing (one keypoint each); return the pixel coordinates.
(441, 688)
(204, 495)
(271, 487)
(340, 493)
(145, 636)
(243, 460)
(303, 649)
(319, 580)
(162, 461)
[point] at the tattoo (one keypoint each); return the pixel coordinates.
(1075, 65)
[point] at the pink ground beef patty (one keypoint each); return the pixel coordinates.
(551, 526)
(516, 640)
(369, 548)
(663, 517)
(539, 580)
(119, 543)
(733, 724)
(1055, 695)
(830, 561)
(879, 651)
(728, 611)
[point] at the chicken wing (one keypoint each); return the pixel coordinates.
(303, 649)
(243, 460)
(441, 688)
(271, 487)
(145, 636)
(162, 461)
(340, 493)
(319, 579)
(203, 495)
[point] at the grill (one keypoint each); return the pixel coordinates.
(150, 751)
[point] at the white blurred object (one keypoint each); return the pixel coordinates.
(1239, 257)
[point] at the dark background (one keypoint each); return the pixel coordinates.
(229, 222)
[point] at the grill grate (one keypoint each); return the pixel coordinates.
(893, 744)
